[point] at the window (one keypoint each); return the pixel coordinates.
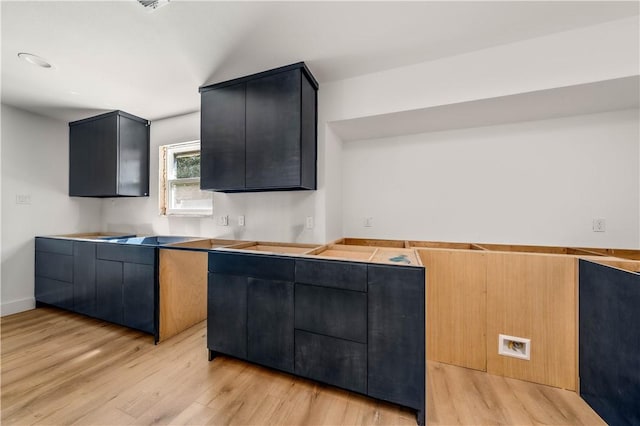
(180, 192)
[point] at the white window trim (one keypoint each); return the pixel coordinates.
(166, 153)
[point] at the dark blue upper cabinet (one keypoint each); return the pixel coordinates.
(259, 132)
(109, 156)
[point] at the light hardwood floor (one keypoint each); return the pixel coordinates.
(62, 368)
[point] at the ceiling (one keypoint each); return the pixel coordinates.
(117, 55)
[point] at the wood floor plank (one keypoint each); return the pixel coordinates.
(61, 368)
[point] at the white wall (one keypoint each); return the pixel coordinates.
(35, 162)
(600, 52)
(272, 216)
(538, 182)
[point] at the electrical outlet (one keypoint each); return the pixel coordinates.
(23, 198)
(241, 220)
(223, 220)
(368, 222)
(309, 222)
(599, 225)
(516, 347)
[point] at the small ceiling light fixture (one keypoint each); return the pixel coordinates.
(34, 59)
(152, 5)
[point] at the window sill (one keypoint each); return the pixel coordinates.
(195, 215)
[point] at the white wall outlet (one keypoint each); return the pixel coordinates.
(223, 220)
(23, 198)
(599, 225)
(309, 222)
(516, 347)
(241, 220)
(368, 222)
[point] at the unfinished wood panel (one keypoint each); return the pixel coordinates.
(533, 296)
(406, 257)
(183, 290)
(456, 306)
(443, 245)
(373, 242)
(205, 244)
(343, 251)
(533, 249)
(629, 254)
(62, 368)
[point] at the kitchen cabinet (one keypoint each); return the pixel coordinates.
(609, 341)
(356, 325)
(227, 318)
(126, 285)
(270, 323)
(109, 156)
(54, 272)
(259, 132)
(105, 280)
(84, 277)
(222, 148)
(396, 336)
(250, 310)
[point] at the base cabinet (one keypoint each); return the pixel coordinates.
(108, 281)
(270, 323)
(354, 325)
(54, 272)
(227, 314)
(396, 335)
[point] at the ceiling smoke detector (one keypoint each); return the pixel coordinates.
(152, 5)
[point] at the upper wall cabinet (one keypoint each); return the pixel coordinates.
(259, 132)
(109, 156)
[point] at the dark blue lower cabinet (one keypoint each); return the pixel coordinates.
(331, 360)
(270, 323)
(54, 272)
(609, 343)
(354, 325)
(138, 296)
(54, 292)
(109, 297)
(227, 315)
(84, 277)
(396, 336)
(104, 280)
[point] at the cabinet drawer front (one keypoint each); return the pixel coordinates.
(332, 312)
(334, 361)
(54, 265)
(332, 273)
(123, 253)
(250, 265)
(54, 246)
(53, 292)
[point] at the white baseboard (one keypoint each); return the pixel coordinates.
(15, 306)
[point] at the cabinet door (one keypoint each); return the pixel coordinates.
(93, 157)
(138, 283)
(84, 277)
(273, 154)
(227, 314)
(222, 136)
(54, 292)
(270, 323)
(109, 302)
(396, 335)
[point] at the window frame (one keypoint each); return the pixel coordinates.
(167, 180)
